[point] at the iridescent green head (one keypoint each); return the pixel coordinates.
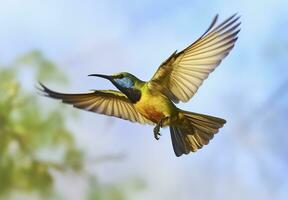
(125, 80)
(126, 83)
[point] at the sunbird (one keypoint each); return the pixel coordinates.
(177, 79)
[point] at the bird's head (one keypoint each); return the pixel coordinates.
(125, 82)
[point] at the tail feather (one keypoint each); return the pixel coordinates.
(179, 144)
(195, 131)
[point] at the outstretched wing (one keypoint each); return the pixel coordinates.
(180, 76)
(107, 102)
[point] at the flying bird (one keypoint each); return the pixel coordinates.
(177, 79)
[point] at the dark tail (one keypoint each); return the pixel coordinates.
(195, 131)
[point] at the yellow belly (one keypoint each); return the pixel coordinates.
(155, 106)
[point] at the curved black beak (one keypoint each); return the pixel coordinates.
(102, 76)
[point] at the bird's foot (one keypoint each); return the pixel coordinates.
(157, 128)
(156, 131)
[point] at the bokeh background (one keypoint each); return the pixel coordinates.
(52, 151)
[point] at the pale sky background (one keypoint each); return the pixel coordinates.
(85, 37)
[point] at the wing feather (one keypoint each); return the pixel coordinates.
(107, 102)
(180, 76)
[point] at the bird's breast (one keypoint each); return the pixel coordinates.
(152, 114)
(154, 107)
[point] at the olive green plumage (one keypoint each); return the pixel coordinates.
(177, 79)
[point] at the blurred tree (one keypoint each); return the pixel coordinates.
(34, 141)
(27, 134)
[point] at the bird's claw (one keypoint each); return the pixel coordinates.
(156, 132)
(157, 128)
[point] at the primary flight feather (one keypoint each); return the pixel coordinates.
(177, 79)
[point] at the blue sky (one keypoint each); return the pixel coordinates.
(85, 37)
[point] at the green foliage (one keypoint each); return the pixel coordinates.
(28, 134)
(45, 69)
